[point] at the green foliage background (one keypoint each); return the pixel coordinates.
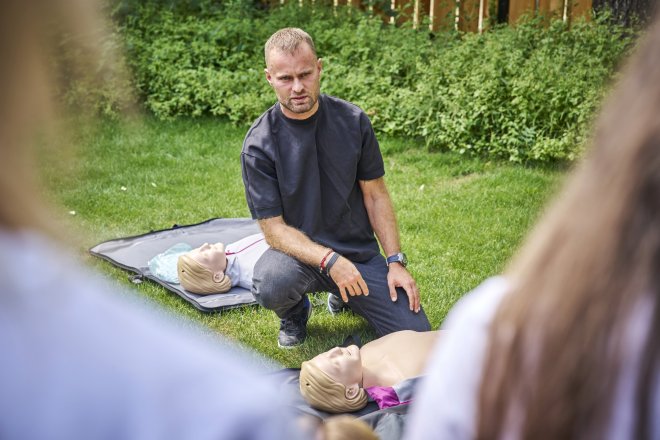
(524, 93)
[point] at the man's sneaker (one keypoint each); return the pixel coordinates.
(293, 330)
(335, 304)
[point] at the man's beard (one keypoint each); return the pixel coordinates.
(301, 108)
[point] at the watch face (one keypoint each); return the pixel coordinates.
(398, 258)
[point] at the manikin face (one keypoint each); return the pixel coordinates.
(296, 79)
(343, 364)
(212, 256)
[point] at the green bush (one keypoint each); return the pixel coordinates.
(524, 93)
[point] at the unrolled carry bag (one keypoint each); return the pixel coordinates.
(134, 253)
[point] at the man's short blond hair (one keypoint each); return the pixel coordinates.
(288, 40)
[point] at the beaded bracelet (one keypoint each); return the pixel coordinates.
(322, 264)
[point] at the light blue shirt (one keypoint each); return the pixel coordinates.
(82, 360)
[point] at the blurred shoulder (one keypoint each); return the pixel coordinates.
(69, 335)
(479, 305)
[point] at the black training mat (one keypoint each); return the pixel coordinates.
(134, 253)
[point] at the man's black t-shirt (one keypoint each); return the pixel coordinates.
(308, 170)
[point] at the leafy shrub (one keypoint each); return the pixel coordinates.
(523, 93)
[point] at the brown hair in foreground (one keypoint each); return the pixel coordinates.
(556, 345)
(45, 47)
(346, 428)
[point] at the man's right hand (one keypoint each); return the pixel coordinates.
(348, 279)
(293, 242)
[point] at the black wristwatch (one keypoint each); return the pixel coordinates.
(398, 258)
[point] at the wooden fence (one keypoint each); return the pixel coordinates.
(467, 15)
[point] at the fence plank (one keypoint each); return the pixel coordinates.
(442, 14)
(422, 11)
(557, 9)
(580, 8)
(468, 14)
(551, 8)
(405, 11)
(518, 8)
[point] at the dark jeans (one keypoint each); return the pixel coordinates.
(280, 282)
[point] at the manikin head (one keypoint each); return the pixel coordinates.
(294, 72)
(332, 381)
(202, 270)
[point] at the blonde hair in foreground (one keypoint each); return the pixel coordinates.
(347, 428)
(556, 347)
(324, 393)
(197, 278)
(46, 46)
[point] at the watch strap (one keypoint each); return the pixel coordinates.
(397, 258)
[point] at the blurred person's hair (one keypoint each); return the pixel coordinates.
(46, 46)
(557, 343)
(346, 427)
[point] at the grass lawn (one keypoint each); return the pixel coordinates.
(460, 218)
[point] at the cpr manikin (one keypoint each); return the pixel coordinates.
(335, 381)
(214, 268)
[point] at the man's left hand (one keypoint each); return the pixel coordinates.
(398, 276)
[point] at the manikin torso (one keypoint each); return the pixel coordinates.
(242, 255)
(393, 358)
